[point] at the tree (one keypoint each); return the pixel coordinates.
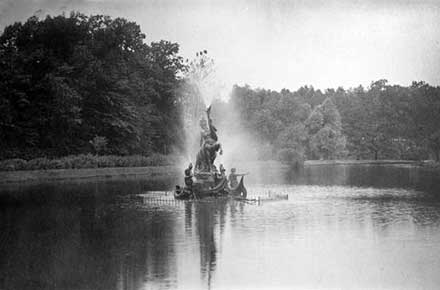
(379, 122)
(424, 116)
(327, 143)
(294, 137)
(325, 131)
(65, 80)
(367, 121)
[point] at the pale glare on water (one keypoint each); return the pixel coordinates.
(336, 230)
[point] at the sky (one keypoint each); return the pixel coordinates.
(281, 44)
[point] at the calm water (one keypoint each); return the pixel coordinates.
(342, 227)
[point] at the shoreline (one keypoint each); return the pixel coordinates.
(355, 162)
(8, 177)
(19, 176)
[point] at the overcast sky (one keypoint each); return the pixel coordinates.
(282, 44)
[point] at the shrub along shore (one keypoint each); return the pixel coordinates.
(90, 161)
(84, 161)
(155, 166)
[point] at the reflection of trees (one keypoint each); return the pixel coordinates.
(326, 175)
(77, 240)
(43, 251)
(161, 257)
(379, 176)
(388, 176)
(145, 243)
(317, 175)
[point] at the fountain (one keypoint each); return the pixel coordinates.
(207, 180)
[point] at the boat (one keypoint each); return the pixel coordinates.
(240, 190)
(205, 187)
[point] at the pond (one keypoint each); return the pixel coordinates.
(342, 226)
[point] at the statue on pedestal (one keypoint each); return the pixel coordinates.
(207, 180)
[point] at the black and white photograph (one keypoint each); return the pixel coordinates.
(219, 144)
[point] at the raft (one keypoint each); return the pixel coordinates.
(202, 189)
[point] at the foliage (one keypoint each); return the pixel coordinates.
(72, 85)
(291, 157)
(88, 161)
(64, 80)
(291, 122)
(325, 132)
(294, 137)
(390, 121)
(379, 122)
(327, 143)
(99, 144)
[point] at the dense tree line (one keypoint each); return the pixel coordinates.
(75, 84)
(381, 122)
(390, 121)
(79, 84)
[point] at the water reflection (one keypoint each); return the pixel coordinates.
(205, 223)
(341, 228)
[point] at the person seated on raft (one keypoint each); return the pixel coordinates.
(232, 179)
(233, 182)
(220, 175)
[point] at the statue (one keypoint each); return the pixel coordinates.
(188, 176)
(206, 180)
(208, 145)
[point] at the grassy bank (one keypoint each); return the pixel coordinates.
(84, 161)
(11, 177)
(350, 162)
(155, 167)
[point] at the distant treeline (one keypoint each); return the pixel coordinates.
(89, 84)
(379, 122)
(77, 84)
